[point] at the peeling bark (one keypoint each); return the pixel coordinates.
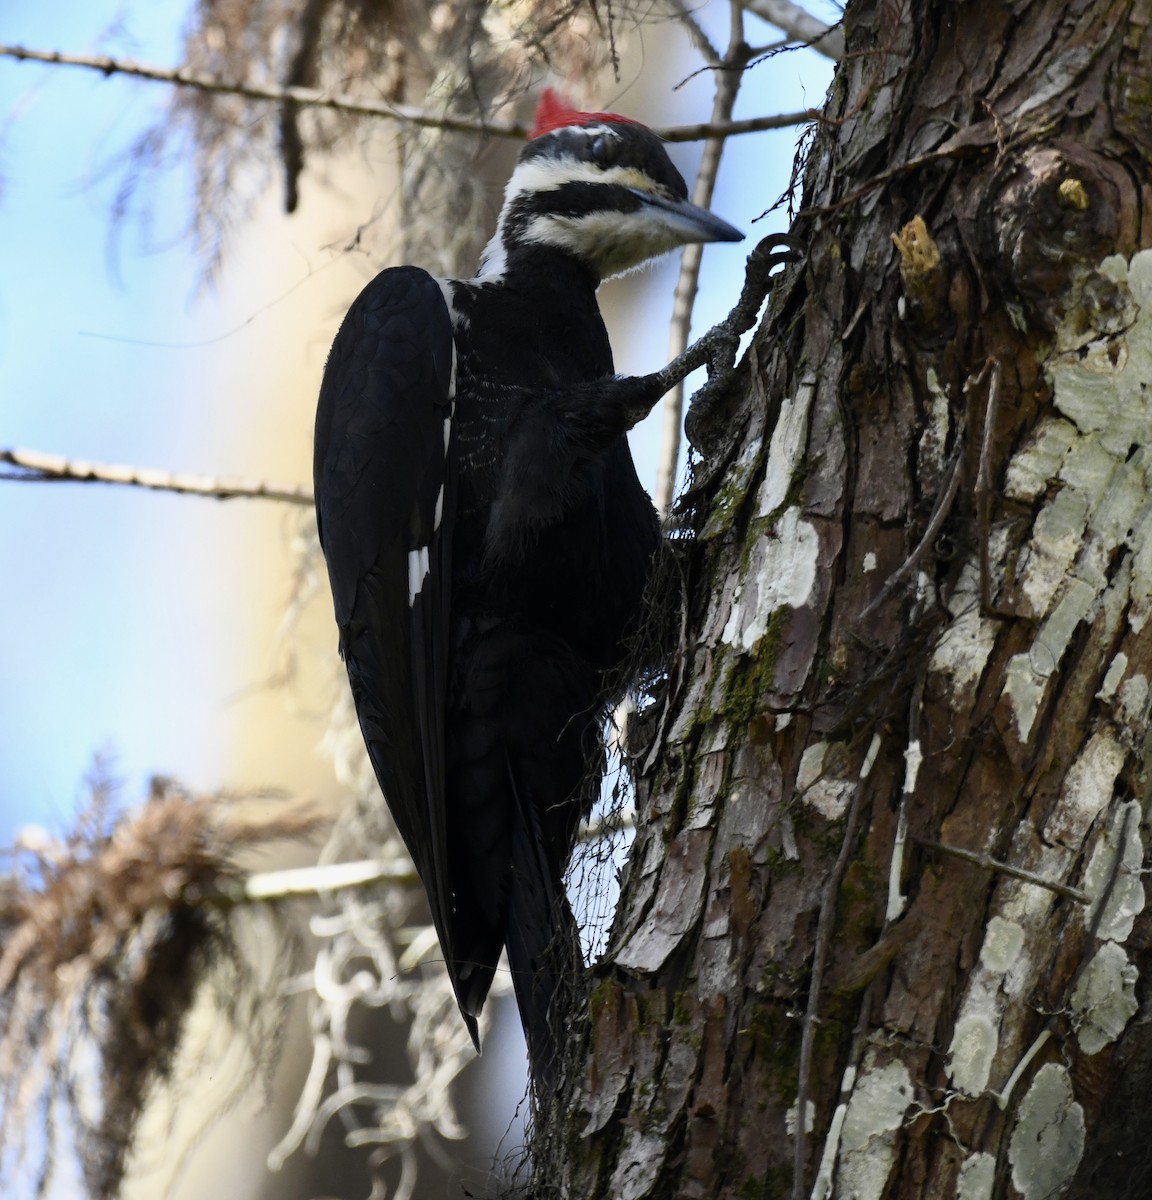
(921, 592)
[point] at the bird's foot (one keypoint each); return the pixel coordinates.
(717, 348)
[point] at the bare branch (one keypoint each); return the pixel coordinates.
(266, 886)
(939, 515)
(1003, 868)
(723, 129)
(687, 18)
(800, 25)
(304, 96)
(728, 77)
(33, 467)
(308, 97)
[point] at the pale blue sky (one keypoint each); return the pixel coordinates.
(77, 592)
(115, 605)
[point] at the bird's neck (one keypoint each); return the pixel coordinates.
(545, 269)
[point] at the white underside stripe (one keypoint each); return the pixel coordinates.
(417, 572)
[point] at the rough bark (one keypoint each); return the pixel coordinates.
(919, 611)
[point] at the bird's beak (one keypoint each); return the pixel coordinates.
(690, 222)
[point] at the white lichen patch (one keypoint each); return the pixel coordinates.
(1112, 676)
(973, 1050)
(1028, 904)
(1039, 460)
(1132, 705)
(963, 650)
(868, 1137)
(785, 449)
(1027, 675)
(1057, 536)
(1025, 689)
(934, 439)
(782, 573)
(1048, 1139)
(1087, 790)
(1003, 941)
(828, 793)
(1118, 885)
(1093, 466)
(809, 1118)
(976, 1034)
(977, 1175)
(869, 563)
(1097, 386)
(1104, 999)
(913, 760)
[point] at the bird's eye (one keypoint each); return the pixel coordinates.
(603, 150)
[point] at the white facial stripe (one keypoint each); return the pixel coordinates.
(614, 242)
(417, 572)
(546, 174)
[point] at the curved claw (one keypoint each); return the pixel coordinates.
(721, 351)
(720, 343)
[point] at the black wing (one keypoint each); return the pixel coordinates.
(385, 497)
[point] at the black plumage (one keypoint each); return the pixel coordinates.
(488, 543)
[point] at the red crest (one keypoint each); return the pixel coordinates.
(554, 112)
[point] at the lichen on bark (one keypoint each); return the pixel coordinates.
(932, 540)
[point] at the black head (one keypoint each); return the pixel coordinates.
(599, 187)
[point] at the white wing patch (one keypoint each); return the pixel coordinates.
(418, 569)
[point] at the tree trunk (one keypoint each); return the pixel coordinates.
(917, 622)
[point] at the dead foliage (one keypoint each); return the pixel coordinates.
(108, 934)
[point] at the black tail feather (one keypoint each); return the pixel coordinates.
(543, 946)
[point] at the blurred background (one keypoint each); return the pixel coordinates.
(148, 631)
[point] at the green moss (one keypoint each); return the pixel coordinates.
(751, 675)
(775, 1184)
(729, 500)
(605, 994)
(681, 1008)
(774, 1036)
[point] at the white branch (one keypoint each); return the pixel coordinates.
(34, 467)
(312, 881)
(800, 25)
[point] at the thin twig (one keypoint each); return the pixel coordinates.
(939, 513)
(709, 129)
(33, 467)
(1102, 900)
(800, 26)
(1003, 868)
(308, 97)
(1003, 1097)
(824, 928)
(728, 77)
(984, 477)
(913, 757)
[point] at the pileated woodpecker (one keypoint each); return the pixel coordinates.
(488, 541)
